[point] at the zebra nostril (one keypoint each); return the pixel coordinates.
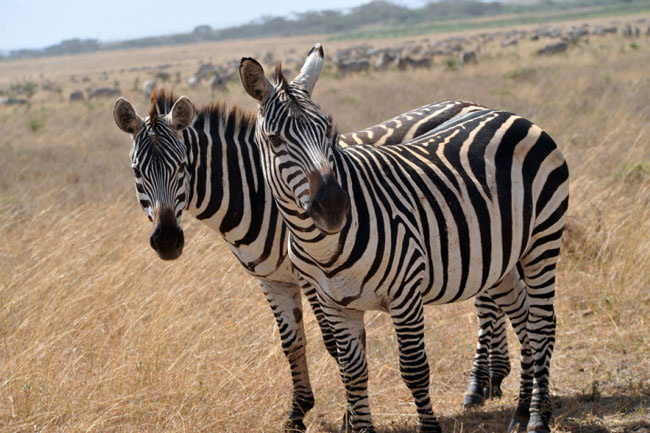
(180, 239)
(153, 239)
(152, 242)
(315, 206)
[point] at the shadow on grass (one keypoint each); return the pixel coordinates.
(626, 412)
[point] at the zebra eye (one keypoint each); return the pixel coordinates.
(275, 140)
(136, 170)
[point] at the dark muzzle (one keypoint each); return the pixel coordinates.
(167, 237)
(329, 205)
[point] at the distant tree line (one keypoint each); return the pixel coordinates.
(376, 13)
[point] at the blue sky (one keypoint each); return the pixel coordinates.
(39, 23)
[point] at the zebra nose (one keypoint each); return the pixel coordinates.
(167, 242)
(330, 197)
(329, 206)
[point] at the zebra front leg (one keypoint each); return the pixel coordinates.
(408, 320)
(286, 303)
(326, 330)
(350, 337)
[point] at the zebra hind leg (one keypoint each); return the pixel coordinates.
(491, 363)
(498, 358)
(286, 302)
(408, 320)
(539, 273)
(479, 379)
(512, 298)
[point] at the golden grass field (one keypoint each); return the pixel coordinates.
(99, 335)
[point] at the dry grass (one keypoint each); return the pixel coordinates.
(98, 335)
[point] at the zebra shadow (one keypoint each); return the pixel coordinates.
(625, 412)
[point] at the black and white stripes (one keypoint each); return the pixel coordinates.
(211, 168)
(476, 207)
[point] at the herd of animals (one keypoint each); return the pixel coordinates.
(461, 50)
(446, 202)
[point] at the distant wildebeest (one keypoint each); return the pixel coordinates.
(354, 65)
(403, 62)
(383, 60)
(76, 95)
(104, 92)
(467, 57)
(204, 71)
(554, 48)
(509, 41)
(148, 87)
(601, 31)
(50, 86)
(13, 101)
(217, 84)
(192, 81)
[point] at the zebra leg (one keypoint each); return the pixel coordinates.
(511, 296)
(328, 334)
(487, 311)
(286, 303)
(408, 320)
(498, 358)
(539, 273)
(350, 337)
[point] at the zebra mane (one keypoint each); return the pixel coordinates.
(162, 102)
(281, 81)
(153, 111)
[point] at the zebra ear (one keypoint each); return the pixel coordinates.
(125, 116)
(182, 113)
(311, 69)
(253, 79)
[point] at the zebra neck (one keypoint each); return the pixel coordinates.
(226, 186)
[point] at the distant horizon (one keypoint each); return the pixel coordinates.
(76, 20)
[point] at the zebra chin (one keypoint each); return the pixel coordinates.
(332, 218)
(328, 223)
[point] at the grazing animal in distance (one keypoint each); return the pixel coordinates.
(148, 87)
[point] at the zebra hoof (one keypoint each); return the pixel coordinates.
(519, 420)
(430, 429)
(538, 423)
(346, 424)
(473, 396)
(294, 426)
(493, 390)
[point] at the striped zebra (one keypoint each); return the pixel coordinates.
(475, 208)
(206, 163)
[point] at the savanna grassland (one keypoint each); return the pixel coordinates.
(99, 335)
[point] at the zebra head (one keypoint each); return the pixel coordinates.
(297, 141)
(159, 162)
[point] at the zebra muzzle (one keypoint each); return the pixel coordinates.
(329, 205)
(167, 238)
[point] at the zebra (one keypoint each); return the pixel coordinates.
(475, 208)
(173, 167)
